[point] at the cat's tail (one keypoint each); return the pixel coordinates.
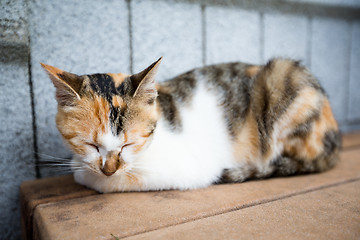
(286, 164)
(297, 131)
(304, 122)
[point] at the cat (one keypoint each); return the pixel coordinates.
(221, 123)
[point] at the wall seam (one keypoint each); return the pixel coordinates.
(129, 9)
(203, 33)
(33, 114)
(32, 100)
(347, 72)
(262, 37)
(309, 41)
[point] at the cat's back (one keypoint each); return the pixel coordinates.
(225, 77)
(277, 117)
(194, 129)
(228, 83)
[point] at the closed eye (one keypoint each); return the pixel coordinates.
(126, 145)
(94, 146)
(148, 134)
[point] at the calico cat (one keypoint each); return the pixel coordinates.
(220, 123)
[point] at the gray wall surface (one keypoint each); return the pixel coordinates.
(126, 36)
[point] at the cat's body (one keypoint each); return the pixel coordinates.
(227, 122)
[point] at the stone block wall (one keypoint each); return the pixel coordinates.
(127, 35)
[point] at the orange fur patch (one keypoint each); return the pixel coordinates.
(117, 101)
(246, 145)
(310, 147)
(118, 78)
(328, 115)
(139, 147)
(325, 123)
(125, 137)
(146, 135)
(85, 121)
(51, 69)
(252, 71)
(133, 179)
(299, 111)
(79, 149)
(69, 136)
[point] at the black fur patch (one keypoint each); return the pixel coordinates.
(169, 110)
(286, 166)
(116, 119)
(126, 88)
(267, 109)
(234, 87)
(103, 85)
(302, 130)
(182, 87)
(228, 80)
(332, 142)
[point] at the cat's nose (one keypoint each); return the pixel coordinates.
(107, 172)
(111, 165)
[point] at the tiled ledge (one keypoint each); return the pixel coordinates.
(324, 214)
(348, 9)
(303, 206)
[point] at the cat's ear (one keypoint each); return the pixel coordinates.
(144, 82)
(67, 85)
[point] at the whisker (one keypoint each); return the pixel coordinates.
(57, 163)
(90, 167)
(52, 157)
(136, 172)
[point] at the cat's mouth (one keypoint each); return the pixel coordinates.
(107, 173)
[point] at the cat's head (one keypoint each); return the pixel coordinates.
(106, 119)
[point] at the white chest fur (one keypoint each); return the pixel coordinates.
(194, 157)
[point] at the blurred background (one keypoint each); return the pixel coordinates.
(126, 36)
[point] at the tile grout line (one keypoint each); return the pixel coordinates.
(203, 33)
(348, 70)
(34, 128)
(130, 36)
(249, 205)
(309, 40)
(262, 38)
(32, 101)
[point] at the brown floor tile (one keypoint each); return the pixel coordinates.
(35, 192)
(330, 213)
(351, 140)
(52, 189)
(127, 214)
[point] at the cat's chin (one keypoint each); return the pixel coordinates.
(104, 184)
(93, 181)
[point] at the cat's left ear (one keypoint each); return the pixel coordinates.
(67, 85)
(144, 82)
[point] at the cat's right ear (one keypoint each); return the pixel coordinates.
(144, 82)
(67, 85)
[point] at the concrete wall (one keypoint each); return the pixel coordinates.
(126, 36)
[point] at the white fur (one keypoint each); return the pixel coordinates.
(192, 158)
(109, 142)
